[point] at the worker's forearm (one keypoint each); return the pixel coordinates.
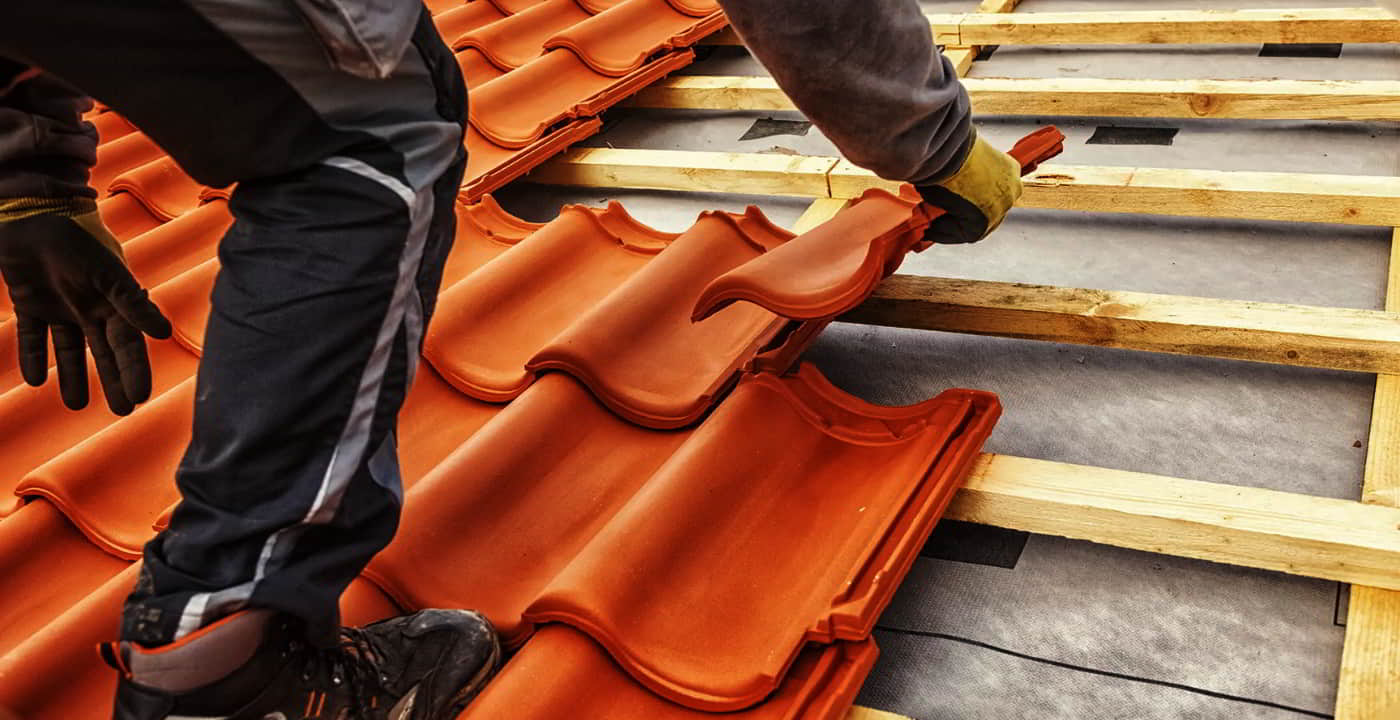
(868, 74)
(46, 149)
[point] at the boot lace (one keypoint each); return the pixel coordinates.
(354, 664)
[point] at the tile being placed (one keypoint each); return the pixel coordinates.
(832, 268)
(583, 529)
(561, 673)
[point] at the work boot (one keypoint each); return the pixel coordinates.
(255, 665)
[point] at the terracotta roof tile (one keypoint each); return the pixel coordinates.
(42, 553)
(648, 377)
(161, 186)
(561, 673)
(126, 216)
(122, 154)
(831, 269)
(572, 524)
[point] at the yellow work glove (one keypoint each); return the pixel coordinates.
(976, 198)
(68, 279)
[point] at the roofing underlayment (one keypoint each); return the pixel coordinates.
(612, 449)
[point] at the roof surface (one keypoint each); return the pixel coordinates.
(611, 449)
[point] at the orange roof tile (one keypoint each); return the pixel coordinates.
(648, 382)
(561, 673)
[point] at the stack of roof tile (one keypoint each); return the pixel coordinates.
(611, 450)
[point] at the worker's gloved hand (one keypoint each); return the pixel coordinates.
(67, 277)
(976, 197)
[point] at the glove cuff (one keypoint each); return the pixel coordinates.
(12, 209)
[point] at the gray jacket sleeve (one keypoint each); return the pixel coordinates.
(46, 149)
(868, 74)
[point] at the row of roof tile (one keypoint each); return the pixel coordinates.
(584, 508)
(663, 518)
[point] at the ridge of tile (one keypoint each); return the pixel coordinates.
(114, 485)
(161, 186)
(436, 7)
(122, 154)
(491, 166)
(185, 301)
(125, 216)
(184, 242)
(562, 673)
(832, 268)
(574, 521)
(739, 608)
(621, 39)
(484, 231)
(695, 7)
(55, 673)
(511, 7)
(513, 41)
(110, 126)
(460, 19)
(637, 349)
(40, 428)
(118, 505)
(488, 325)
(518, 108)
(49, 566)
(532, 503)
(476, 68)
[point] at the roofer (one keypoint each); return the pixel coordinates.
(342, 123)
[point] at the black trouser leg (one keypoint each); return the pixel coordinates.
(343, 221)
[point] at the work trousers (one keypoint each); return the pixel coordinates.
(343, 220)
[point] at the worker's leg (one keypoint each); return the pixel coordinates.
(868, 74)
(343, 219)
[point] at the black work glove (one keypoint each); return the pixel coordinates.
(67, 277)
(976, 197)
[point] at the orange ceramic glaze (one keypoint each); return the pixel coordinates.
(39, 428)
(638, 350)
(116, 157)
(115, 485)
(489, 166)
(832, 268)
(56, 674)
(714, 523)
(619, 40)
(125, 216)
(160, 185)
(491, 322)
(561, 673)
(110, 126)
(461, 18)
(167, 251)
(517, 108)
(518, 39)
(500, 518)
(48, 567)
